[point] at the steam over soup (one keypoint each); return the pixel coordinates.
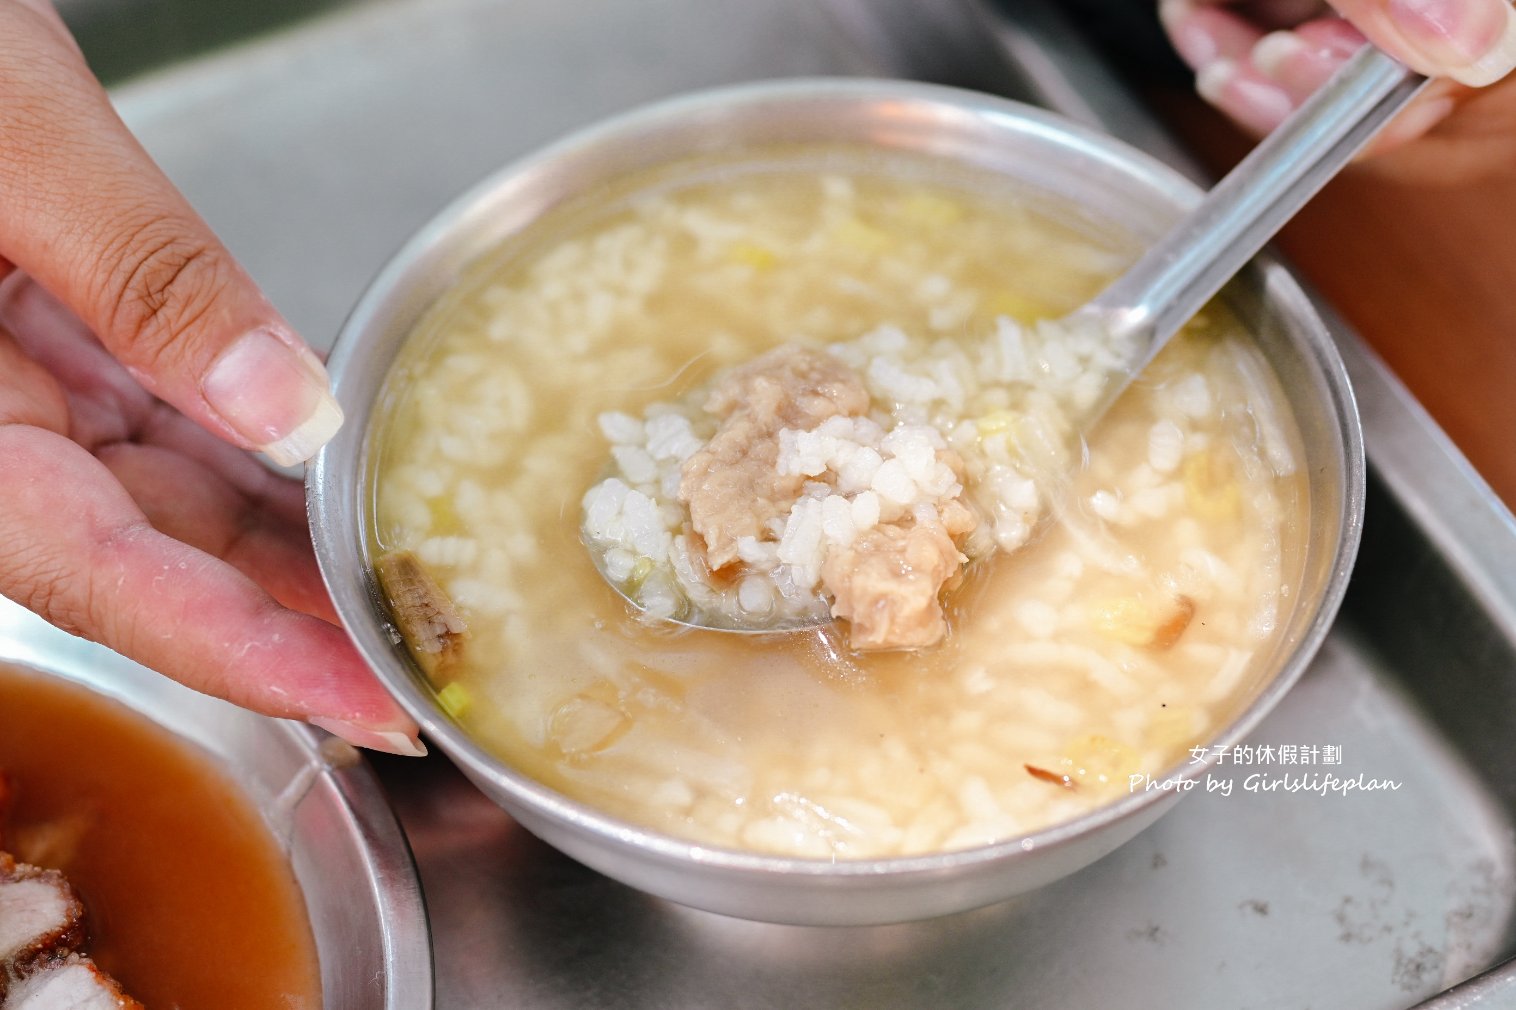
(1121, 600)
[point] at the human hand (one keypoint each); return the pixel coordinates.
(138, 363)
(1257, 60)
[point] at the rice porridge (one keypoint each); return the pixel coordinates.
(1091, 610)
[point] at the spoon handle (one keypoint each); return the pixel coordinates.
(1175, 278)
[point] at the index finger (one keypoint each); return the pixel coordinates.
(77, 550)
(90, 217)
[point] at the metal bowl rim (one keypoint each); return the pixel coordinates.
(842, 92)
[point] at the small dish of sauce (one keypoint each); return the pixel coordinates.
(190, 902)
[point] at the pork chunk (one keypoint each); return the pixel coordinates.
(888, 584)
(732, 486)
(71, 984)
(40, 915)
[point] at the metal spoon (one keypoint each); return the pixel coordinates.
(1172, 281)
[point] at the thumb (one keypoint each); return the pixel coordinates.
(1471, 41)
(88, 215)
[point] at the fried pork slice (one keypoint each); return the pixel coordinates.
(71, 984)
(40, 915)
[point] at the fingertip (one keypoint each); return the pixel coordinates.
(272, 392)
(1201, 35)
(1297, 64)
(1254, 102)
(1471, 41)
(404, 742)
(1212, 80)
(1173, 13)
(309, 436)
(1498, 61)
(1277, 52)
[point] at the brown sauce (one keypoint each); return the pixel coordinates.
(191, 904)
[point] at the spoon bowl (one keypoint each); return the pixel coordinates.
(679, 612)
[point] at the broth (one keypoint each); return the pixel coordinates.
(1140, 614)
(190, 903)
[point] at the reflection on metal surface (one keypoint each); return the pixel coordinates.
(1203, 906)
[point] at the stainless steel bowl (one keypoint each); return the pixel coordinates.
(1052, 158)
(321, 801)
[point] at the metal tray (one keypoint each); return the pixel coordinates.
(315, 151)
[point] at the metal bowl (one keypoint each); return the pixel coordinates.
(322, 802)
(1052, 159)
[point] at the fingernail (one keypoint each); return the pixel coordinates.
(1498, 61)
(1274, 51)
(1474, 43)
(1253, 102)
(1191, 39)
(388, 741)
(275, 395)
(1212, 79)
(1300, 61)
